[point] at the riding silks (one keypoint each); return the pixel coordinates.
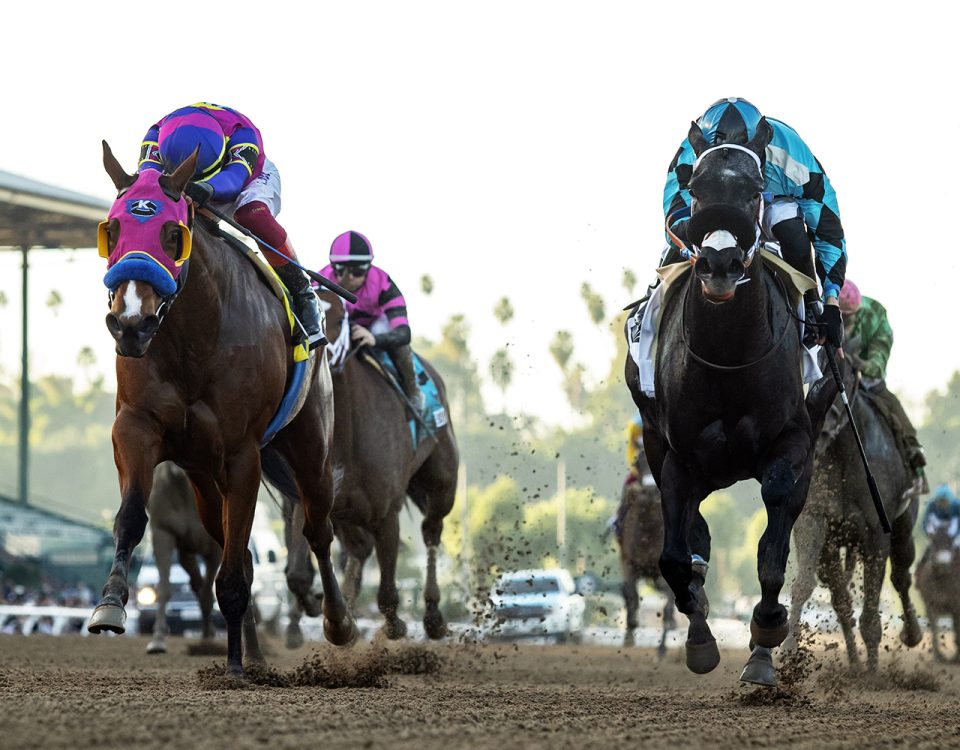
(644, 325)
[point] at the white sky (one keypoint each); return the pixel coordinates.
(505, 148)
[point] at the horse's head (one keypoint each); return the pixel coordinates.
(726, 192)
(336, 326)
(146, 240)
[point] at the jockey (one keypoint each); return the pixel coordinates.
(800, 205)
(942, 511)
(379, 316)
(234, 172)
(871, 338)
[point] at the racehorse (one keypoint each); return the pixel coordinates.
(840, 513)
(938, 581)
(641, 541)
(374, 451)
(175, 525)
(200, 376)
(729, 402)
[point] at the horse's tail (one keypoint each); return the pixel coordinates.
(278, 472)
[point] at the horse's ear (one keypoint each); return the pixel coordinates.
(121, 180)
(763, 136)
(696, 139)
(182, 174)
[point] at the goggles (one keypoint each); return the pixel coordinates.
(353, 269)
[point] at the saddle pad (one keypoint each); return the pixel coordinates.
(434, 413)
(643, 326)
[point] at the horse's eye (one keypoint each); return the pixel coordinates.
(693, 193)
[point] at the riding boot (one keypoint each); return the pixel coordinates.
(798, 252)
(403, 359)
(305, 304)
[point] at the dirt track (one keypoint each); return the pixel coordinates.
(73, 692)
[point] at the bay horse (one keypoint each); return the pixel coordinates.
(175, 525)
(641, 541)
(729, 402)
(378, 467)
(938, 581)
(840, 514)
(200, 377)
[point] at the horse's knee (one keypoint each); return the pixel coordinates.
(778, 483)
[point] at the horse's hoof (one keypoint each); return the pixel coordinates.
(629, 639)
(344, 634)
(911, 635)
(435, 627)
(702, 657)
(768, 637)
(111, 617)
(661, 652)
(294, 638)
(312, 604)
(759, 669)
(395, 629)
(157, 646)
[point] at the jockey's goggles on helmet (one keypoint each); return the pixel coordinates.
(354, 269)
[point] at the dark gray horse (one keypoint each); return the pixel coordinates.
(938, 581)
(175, 525)
(729, 399)
(377, 468)
(840, 514)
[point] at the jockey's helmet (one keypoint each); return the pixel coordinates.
(351, 247)
(850, 298)
(179, 139)
(731, 120)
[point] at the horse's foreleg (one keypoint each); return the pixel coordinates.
(233, 584)
(300, 570)
(809, 534)
(837, 581)
(668, 617)
(902, 554)
(251, 643)
(212, 562)
(163, 544)
(681, 495)
(317, 492)
(135, 448)
(874, 567)
(388, 599)
(631, 603)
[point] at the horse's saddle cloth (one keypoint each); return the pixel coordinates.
(434, 413)
(643, 326)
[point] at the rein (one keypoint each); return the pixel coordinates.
(729, 368)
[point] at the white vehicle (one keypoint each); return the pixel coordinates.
(533, 603)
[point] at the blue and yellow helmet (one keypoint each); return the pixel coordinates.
(731, 120)
(189, 130)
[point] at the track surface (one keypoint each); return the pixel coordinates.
(73, 692)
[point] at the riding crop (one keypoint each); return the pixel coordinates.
(321, 280)
(871, 482)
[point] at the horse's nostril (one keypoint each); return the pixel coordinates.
(113, 325)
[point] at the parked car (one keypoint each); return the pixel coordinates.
(531, 603)
(183, 609)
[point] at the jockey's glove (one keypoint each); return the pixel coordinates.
(199, 192)
(830, 318)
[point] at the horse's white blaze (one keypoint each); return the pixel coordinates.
(719, 239)
(132, 303)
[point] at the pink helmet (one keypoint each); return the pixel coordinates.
(850, 299)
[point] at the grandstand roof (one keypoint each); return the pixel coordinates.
(35, 214)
